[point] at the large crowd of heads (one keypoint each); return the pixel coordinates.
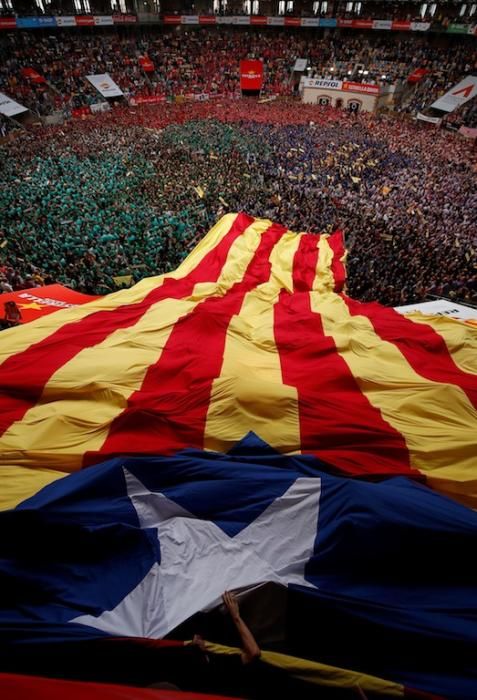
(207, 61)
(130, 192)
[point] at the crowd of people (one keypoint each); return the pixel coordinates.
(206, 61)
(130, 192)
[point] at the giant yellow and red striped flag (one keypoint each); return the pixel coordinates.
(252, 332)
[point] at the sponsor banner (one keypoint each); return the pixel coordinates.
(206, 19)
(310, 22)
(363, 23)
(225, 20)
(101, 21)
(169, 19)
(457, 95)
(105, 85)
(251, 74)
(300, 64)
(345, 23)
(124, 19)
(146, 100)
(417, 75)
(8, 22)
(468, 132)
(361, 87)
(242, 20)
(430, 120)
(328, 22)
(256, 19)
(292, 22)
(100, 107)
(401, 26)
(40, 301)
(420, 26)
(276, 21)
(68, 21)
(382, 24)
(458, 29)
(28, 23)
(146, 64)
(190, 19)
(323, 84)
(9, 108)
(441, 307)
(84, 20)
(46, 22)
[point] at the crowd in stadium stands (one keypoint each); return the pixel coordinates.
(130, 192)
(206, 61)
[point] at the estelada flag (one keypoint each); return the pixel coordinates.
(40, 301)
(252, 332)
(251, 74)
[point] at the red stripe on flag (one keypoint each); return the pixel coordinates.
(335, 241)
(337, 422)
(169, 412)
(24, 376)
(16, 687)
(424, 349)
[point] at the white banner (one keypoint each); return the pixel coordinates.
(300, 64)
(65, 21)
(420, 26)
(242, 20)
(458, 95)
(276, 21)
(382, 24)
(190, 19)
(323, 84)
(101, 21)
(105, 85)
(430, 120)
(100, 107)
(9, 107)
(440, 307)
(310, 22)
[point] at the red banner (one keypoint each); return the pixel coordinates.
(124, 19)
(32, 75)
(417, 75)
(146, 64)
(40, 301)
(172, 19)
(84, 20)
(361, 87)
(251, 74)
(8, 22)
(207, 19)
(146, 100)
(258, 19)
(362, 24)
(403, 25)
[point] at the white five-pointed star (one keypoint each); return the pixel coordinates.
(199, 561)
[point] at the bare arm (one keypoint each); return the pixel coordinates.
(250, 648)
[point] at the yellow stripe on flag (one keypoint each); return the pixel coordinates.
(437, 420)
(250, 393)
(318, 673)
(19, 483)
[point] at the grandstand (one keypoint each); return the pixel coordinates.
(238, 304)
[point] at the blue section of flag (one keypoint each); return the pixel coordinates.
(390, 558)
